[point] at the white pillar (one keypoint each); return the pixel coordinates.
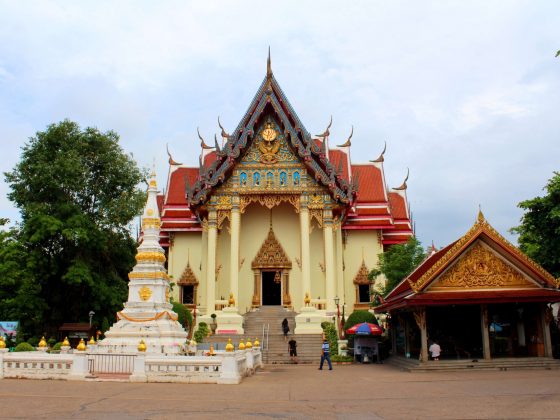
(305, 253)
(230, 369)
(329, 259)
(339, 264)
(211, 263)
(235, 221)
(79, 366)
(139, 369)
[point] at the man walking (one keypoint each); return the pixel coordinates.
(325, 354)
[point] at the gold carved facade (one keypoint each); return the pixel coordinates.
(480, 268)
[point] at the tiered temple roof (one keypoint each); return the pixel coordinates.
(360, 188)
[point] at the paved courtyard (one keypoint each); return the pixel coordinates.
(353, 392)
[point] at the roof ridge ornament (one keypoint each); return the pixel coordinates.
(381, 158)
(327, 133)
(404, 186)
(216, 145)
(480, 219)
(171, 160)
(224, 134)
(202, 143)
(348, 143)
(268, 66)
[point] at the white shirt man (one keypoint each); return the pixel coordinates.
(435, 350)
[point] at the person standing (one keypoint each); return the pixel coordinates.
(435, 350)
(292, 349)
(285, 329)
(325, 354)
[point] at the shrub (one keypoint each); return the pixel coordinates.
(331, 335)
(201, 333)
(337, 358)
(51, 341)
(34, 341)
(357, 317)
(24, 347)
(57, 346)
(185, 316)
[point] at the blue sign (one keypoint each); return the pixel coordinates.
(8, 328)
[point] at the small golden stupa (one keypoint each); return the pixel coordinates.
(229, 346)
(81, 345)
(91, 341)
(241, 345)
(2, 342)
(211, 351)
(256, 343)
(43, 342)
(66, 343)
(141, 346)
(248, 344)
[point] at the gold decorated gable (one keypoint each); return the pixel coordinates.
(271, 254)
(361, 276)
(480, 268)
(188, 276)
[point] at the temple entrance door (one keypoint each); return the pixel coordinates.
(271, 289)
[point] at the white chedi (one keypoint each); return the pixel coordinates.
(147, 315)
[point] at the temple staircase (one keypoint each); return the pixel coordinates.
(513, 363)
(265, 323)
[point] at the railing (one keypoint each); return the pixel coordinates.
(319, 304)
(36, 365)
(111, 363)
(221, 304)
(184, 366)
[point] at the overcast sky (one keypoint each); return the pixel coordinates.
(466, 94)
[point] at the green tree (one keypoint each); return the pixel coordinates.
(539, 231)
(398, 262)
(359, 317)
(77, 192)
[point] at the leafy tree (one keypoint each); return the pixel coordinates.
(77, 191)
(185, 316)
(398, 262)
(359, 317)
(539, 231)
(330, 333)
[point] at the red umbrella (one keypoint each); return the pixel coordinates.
(365, 328)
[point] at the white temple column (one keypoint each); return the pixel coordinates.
(305, 253)
(211, 263)
(329, 259)
(235, 222)
(339, 265)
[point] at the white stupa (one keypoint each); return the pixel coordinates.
(147, 315)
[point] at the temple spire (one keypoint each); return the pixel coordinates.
(268, 66)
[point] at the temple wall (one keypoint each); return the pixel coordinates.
(186, 246)
(359, 243)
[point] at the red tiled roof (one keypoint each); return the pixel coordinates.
(159, 199)
(176, 190)
(336, 157)
(398, 206)
(370, 188)
(209, 159)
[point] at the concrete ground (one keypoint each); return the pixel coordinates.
(297, 391)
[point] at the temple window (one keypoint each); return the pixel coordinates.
(363, 293)
(243, 179)
(283, 179)
(187, 294)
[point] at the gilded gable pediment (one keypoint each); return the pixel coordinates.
(480, 268)
(271, 254)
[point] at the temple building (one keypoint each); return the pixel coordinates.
(479, 298)
(275, 216)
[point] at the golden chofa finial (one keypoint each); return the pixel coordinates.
(142, 346)
(2, 342)
(81, 345)
(171, 160)
(268, 66)
(42, 343)
(480, 218)
(403, 185)
(327, 133)
(381, 157)
(348, 143)
(202, 143)
(229, 346)
(66, 343)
